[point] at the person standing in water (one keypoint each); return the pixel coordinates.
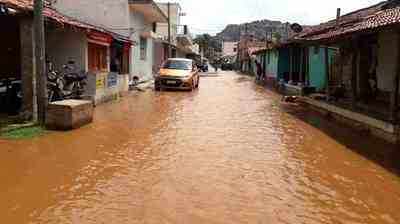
(216, 66)
(259, 71)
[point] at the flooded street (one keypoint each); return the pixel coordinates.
(226, 153)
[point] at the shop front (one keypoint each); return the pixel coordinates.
(108, 67)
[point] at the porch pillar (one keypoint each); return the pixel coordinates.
(29, 107)
(354, 74)
(394, 98)
(341, 66)
(290, 64)
(307, 58)
(301, 65)
(328, 78)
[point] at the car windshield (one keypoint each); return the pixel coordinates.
(176, 64)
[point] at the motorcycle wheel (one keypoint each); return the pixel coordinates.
(51, 96)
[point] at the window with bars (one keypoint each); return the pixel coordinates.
(143, 48)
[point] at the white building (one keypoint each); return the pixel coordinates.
(175, 21)
(111, 60)
(103, 55)
(229, 48)
(181, 40)
(145, 15)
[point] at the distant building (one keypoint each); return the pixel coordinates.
(229, 48)
(174, 14)
(181, 39)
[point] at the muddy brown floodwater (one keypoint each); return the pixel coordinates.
(227, 153)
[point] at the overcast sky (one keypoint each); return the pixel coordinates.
(211, 16)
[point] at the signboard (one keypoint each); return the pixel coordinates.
(112, 79)
(99, 38)
(100, 82)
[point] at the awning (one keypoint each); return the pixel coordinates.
(127, 47)
(120, 45)
(100, 38)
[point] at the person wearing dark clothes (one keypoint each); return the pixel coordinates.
(259, 71)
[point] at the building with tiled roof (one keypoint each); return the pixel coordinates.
(368, 19)
(363, 75)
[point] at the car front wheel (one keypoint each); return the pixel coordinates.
(198, 82)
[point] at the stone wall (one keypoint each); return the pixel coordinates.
(359, 122)
(69, 114)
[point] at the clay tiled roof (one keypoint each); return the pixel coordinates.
(364, 19)
(382, 18)
(21, 4)
(54, 15)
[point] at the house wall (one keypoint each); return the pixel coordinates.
(228, 48)
(73, 47)
(317, 66)
(180, 54)
(143, 69)
(158, 56)
(113, 15)
(65, 44)
(283, 62)
(272, 63)
(388, 59)
(347, 72)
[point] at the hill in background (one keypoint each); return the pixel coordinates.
(259, 29)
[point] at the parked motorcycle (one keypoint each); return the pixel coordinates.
(68, 84)
(10, 95)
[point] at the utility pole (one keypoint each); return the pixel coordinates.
(169, 28)
(41, 77)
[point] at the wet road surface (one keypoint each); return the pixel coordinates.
(227, 153)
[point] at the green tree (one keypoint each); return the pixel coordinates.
(203, 41)
(276, 37)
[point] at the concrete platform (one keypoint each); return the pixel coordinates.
(69, 114)
(378, 128)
